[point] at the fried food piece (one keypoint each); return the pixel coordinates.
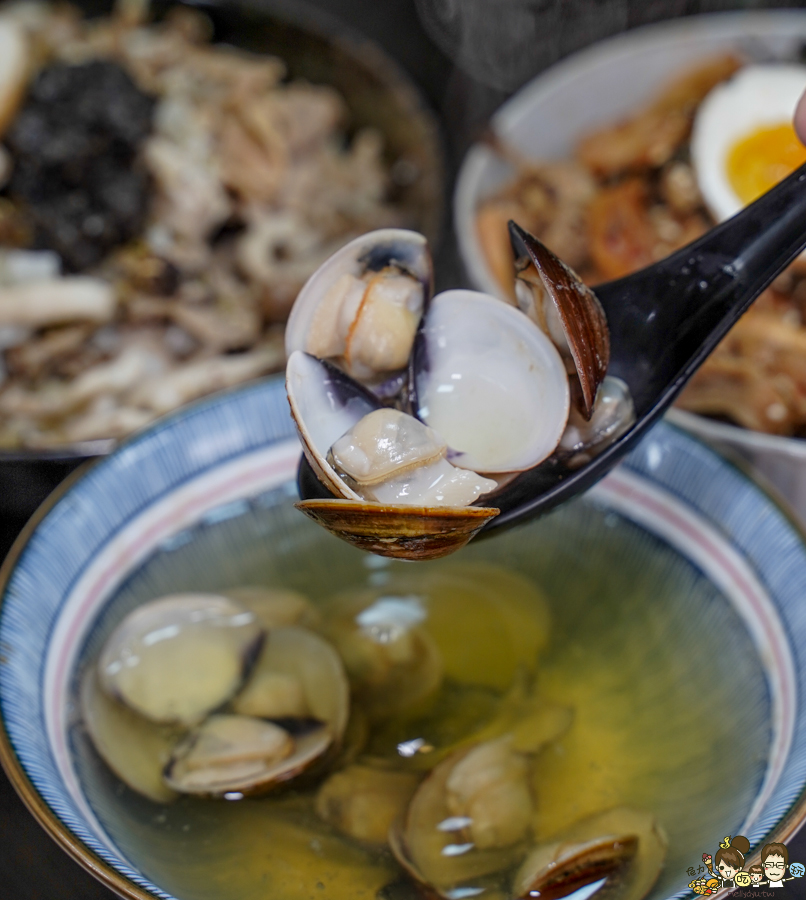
(650, 138)
(621, 234)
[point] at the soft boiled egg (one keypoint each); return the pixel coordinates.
(743, 141)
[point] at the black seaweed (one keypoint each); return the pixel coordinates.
(74, 144)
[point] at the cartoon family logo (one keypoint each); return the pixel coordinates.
(726, 870)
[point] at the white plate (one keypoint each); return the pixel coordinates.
(598, 86)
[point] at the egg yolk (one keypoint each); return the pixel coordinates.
(762, 159)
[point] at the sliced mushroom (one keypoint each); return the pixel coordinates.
(176, 659)
(135, 749)
(55, 300)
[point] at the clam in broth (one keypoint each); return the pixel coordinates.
(416, 447)
(193, 694)
(326, 711)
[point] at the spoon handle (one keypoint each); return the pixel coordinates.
(674, 313)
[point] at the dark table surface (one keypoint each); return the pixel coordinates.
(32, 867)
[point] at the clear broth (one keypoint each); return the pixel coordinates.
(660, 670)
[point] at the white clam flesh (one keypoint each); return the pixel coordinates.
(613, 413)
(234, 754)
(178, 658)
(361, 308)
(414, 465)
(393, 458)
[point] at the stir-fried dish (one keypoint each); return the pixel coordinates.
(162, 201)
(642, 188)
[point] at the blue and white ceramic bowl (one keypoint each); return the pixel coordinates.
(705, 574)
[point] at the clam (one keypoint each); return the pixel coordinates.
(623, 846)
(329, 409)
(298, 676)
(462, 801)
(488, 383)
(135, 749)
(361, 308)
(612, 414)
(363, 802)
(292, 711)
(556, 298)
(557, 870)
(178, 658)
(233, 756)
(393, 663)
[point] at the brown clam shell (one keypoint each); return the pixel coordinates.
(573, 867)
(400, 532)
(581, 314)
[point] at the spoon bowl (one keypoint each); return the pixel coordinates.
(664, 321)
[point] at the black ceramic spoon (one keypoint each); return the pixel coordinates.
(664, 321)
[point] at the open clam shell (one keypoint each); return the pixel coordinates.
(554, 871)
(400, 532)
(627, 842)
(232, 755)
(293, 710)
(432, 843)
(326, 403)
(490, 382)
(180, 657)
(362, 306)
(581, 315)
(135, 749)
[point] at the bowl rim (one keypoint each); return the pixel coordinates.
(582, 63)
(374, 58)
(75, 848)
(105, 872)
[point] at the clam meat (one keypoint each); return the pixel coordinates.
(363, 801)
(416, 467)
(361, 309)
(191, 694)
(178, 658)
(241, 755)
